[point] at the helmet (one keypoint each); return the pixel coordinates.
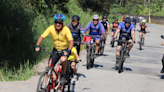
(59, 17)
(127, 20)
(116, 19)
(75, 17)
(143, 21)
(104, 17)
(95, 17)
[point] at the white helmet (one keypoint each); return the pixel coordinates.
(95, 17)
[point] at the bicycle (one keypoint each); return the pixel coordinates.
(52, 76)
(141, 39)
(123, 50)
(91, 51)
(69, 74)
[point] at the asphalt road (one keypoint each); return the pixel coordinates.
(141, 71)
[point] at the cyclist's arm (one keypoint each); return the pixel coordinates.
(102, 29)
(40, 39)
(147, 29)
(77, 56)
(116, 33)
(133, 33)
(70, 38)
(87, 27)
(108, 26)
(138, 27)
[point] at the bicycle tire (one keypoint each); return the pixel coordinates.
(112, 44)
(46, 87)
(141, 43)
(89, 57)
(73, 86)
(102, 48)
(121, 60)
(69, 81)
(92, 55)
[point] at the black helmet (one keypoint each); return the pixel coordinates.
(127, 20)
(116, 19)
(105, 17)
(75, 17)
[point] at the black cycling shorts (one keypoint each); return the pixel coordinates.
(143, 31)
(56, 57)
(120, 38)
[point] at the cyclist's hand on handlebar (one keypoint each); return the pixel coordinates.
(78, 59)
(37, 48)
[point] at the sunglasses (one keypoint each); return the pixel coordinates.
(95, 20)
(58, 22)
(75, 21)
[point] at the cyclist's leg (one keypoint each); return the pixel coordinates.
(119, 45)
(143, 37)
(73, 66)
(87, 45)
(97, 41)
(55, 57)
(112, 35)
(105, 36)
(140, 33)
(130, 45)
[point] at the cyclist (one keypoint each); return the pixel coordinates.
(115, 26)
(76, 28)
(74, 55)
(123, 19)
(134, 21)
(143, 26)
(126, 30)
(95, 29)
(62, 40)
(105, 23)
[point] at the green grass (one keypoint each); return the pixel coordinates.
(23, 73)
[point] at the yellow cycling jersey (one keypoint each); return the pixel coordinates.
(72, 57)
(60, 39)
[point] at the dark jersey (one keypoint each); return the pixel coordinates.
(105, 24)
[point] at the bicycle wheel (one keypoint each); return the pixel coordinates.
(44, 83)
(92, 56)
(89, 57)
(73, 86)
(141, 43)
(102, 48)
(121, 60)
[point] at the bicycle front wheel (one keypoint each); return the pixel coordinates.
(121, 60)
(102, 48)
(89, 57)
(44, 84)
(141, 43)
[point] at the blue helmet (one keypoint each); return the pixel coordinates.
(59, 17)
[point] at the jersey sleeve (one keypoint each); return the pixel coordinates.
(132, 27)
(107, 22)
(68, 33)
(46, 32)
(102, 29)
(87, 27)
(119, 26)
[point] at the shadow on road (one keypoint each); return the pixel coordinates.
(104, 55)
(96, 65)
(124, 68)
(154, 46)
(79, 75)
(161, 76)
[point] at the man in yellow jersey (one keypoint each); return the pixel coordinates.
(72, 59)
(62, 40)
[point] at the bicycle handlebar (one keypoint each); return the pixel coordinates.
(57, 52)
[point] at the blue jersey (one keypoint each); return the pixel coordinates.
(126, 31)
(95, 30)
